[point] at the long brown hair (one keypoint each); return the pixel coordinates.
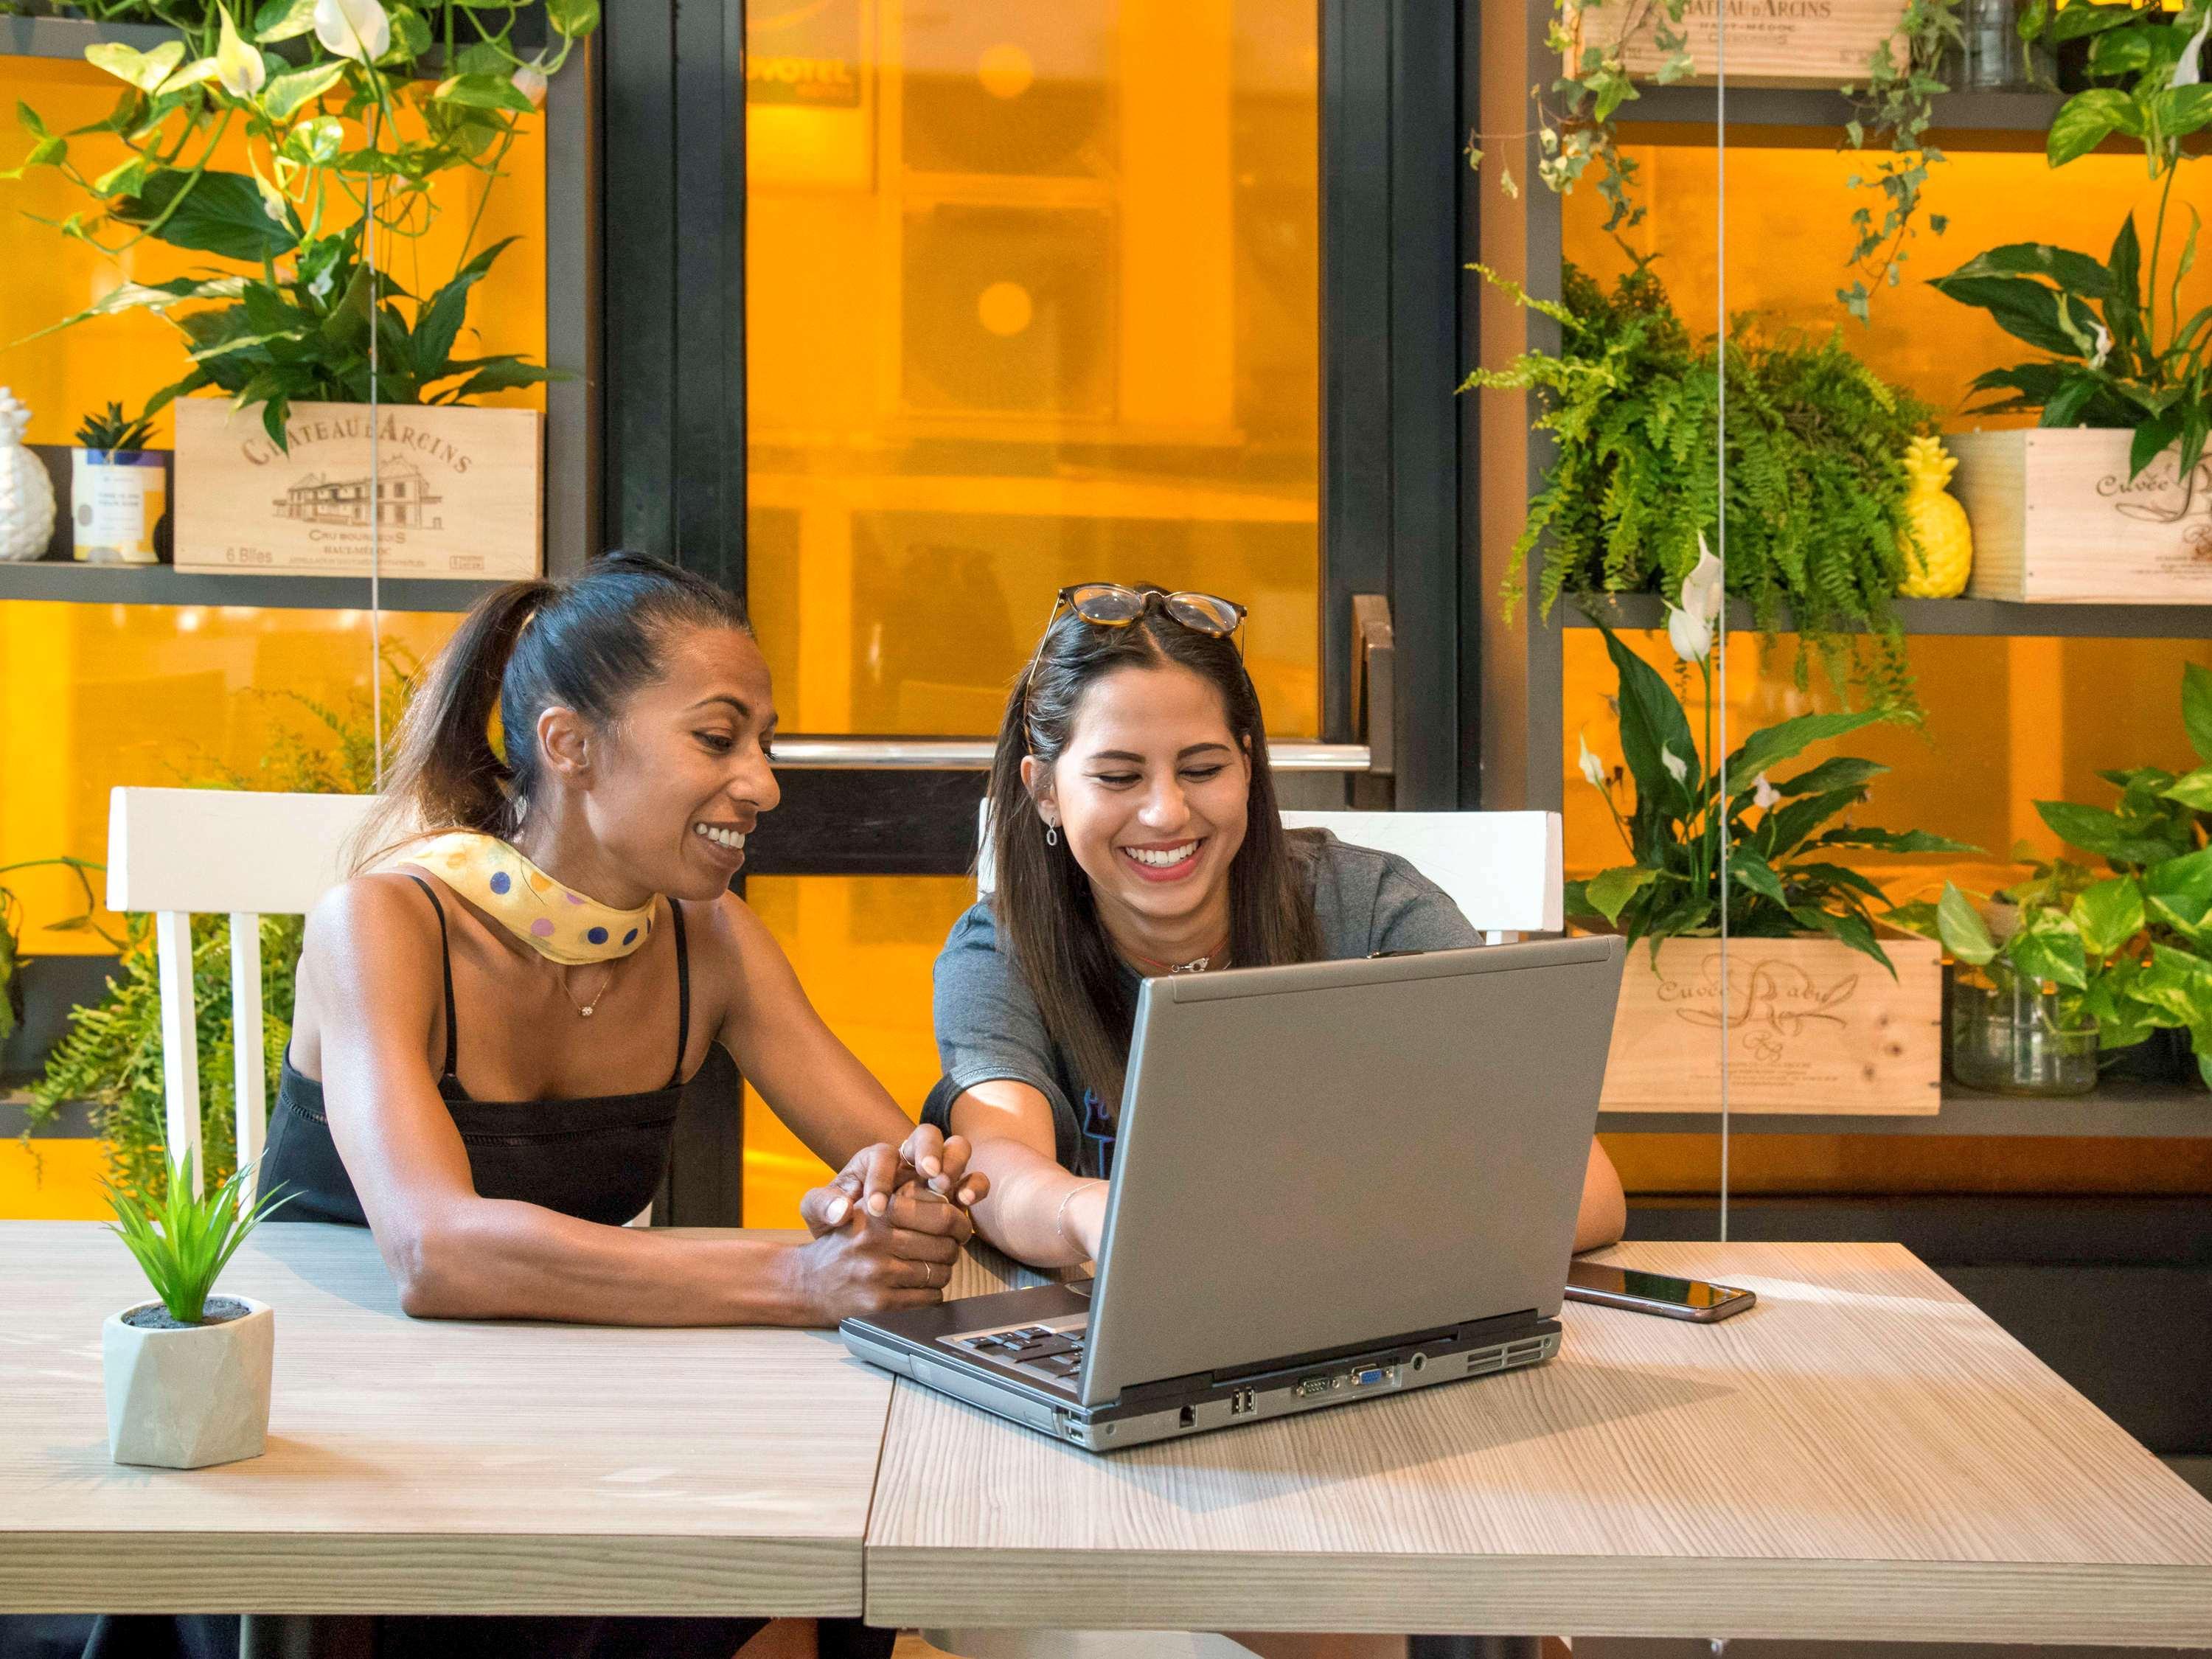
(1042, 902)
(585, 642)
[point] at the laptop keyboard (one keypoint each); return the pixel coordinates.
(1054, 1351)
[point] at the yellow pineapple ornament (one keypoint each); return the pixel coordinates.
(1939, 549)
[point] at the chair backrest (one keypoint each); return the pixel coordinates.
(182, 852)
(1502, 869)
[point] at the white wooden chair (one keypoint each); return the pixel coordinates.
(1502, 869)
(180, 852)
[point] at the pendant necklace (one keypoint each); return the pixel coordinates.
(1218, 957)
(586, 1009)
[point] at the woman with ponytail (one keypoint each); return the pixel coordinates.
(497, 1015)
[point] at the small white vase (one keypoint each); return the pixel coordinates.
(184, 1398)
(116, 498)
(26, 494)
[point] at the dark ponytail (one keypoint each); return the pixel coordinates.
(1042, 900)
(585, 642)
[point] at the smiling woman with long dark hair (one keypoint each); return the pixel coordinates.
(1134, 832)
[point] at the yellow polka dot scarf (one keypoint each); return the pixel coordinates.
(558, 922)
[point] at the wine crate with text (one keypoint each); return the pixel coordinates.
(1810, 1026)
(1771, 43)
(446, 491)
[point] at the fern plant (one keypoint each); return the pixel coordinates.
(112, 1053)
(1815, 482)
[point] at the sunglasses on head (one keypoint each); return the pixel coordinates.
(1110, 605)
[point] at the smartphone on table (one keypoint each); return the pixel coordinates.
(1653, 1293)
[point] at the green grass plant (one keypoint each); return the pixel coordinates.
(183, 1240)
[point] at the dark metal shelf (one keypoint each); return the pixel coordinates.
(1993, 618)
(68, 37)
(2161, 1111)
(2026, 113)
(52, 579)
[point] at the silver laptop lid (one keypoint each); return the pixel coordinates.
(1332, 1153)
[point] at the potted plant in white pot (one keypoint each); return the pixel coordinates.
(118, 489)
(188, 1372)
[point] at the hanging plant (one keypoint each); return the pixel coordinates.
(351, 114)
(1893, 110)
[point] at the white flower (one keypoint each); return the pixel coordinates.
(529, 81)
(238, 65)
(1691, 636)
(2186, 73)
(1593, 768)
(1677, 768)
(353, 29)
(2104, 347)
(1701, 588)
(1764, 795)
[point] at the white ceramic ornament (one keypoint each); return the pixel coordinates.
(26, 493)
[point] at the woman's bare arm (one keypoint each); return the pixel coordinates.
(370, 967)
(1033, 1210)
(1603, 1216)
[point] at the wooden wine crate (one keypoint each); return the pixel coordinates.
(1771, 43)
(458, 492)
(1810, 1026)
(2056, 520)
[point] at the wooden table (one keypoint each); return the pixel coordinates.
(1862, 1456)
(421, 1467)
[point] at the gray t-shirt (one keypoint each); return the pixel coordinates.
(988, 1025)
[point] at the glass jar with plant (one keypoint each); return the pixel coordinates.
(11, 929)
(1893, 108)
(2017, 1023)
(2113, 361)
(1781, 842)
(1817, 487)
(188, 1374)
(350, 113)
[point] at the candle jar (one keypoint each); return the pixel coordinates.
(2008, 1037)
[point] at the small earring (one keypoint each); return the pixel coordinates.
(1052, 834)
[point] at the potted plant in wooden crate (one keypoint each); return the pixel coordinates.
(347, 133)
(118, 490)
(2108, 497)
(1818, 1012)
(188, 1373)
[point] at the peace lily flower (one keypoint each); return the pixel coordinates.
(1677, 768)
(529, 81)
(353, 29)
(1764, 795)
(1702, 588)
(238, 65)
(1690, 634)
(1593, 768)
(2187, 72)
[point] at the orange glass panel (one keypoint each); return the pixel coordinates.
(863, 947)
(1033, 296)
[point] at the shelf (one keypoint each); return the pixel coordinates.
(1990, 618)
(2028, 114)
(68, 37)
(2163, 1111)
(163, 584)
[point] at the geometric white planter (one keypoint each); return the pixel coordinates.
(184, 1398)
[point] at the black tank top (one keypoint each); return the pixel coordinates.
(600, 1159)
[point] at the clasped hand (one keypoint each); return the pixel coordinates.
(887, 1230)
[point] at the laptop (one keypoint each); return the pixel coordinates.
(1335, 1182)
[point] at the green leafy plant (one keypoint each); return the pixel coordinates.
(11, 929)
(112, 1053)
(1815, 480)
(2113, 362)
(1575, 118)
(113, 432)
(183, 1241)
(1780, 839)
(2131, 947)
(350, 113)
